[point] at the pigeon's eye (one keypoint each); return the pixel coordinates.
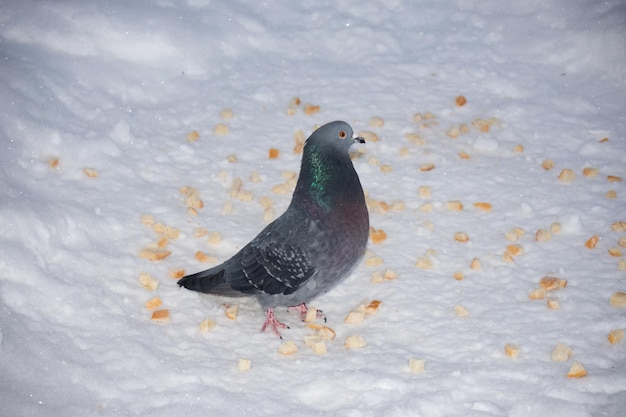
(343, 134)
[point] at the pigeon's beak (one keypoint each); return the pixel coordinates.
(358, 139)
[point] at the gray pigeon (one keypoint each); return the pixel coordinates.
(313, 245)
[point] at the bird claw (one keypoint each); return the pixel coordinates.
(302, 309)
(273, 323)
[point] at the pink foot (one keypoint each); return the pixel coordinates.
(273, 323)
(302, 309)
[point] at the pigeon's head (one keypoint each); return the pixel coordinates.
(335, 134)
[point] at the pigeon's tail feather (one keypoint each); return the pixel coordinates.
(210, 281)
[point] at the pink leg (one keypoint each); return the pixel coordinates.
(273, 323)
(302, 309)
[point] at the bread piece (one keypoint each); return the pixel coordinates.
(483, 206)
(547, 164)
(460, 101)
(162, 242)
(461, 311)
(416, 366)
(427, 167)
(373, 261)
(458, 275)
(603, 140)
(204, 258)
(618, 299)
(550, 283)
(475, 264)
(542, 235)
(323, 332)
(614, 178)
(220, 129)
(154, 254)
(147, 219)
(615, 336)
(310, 109)
(207, 325)
(537, 294)
(354, 342)
(390, 274)
(590, 172)
(507, 257)
(311, 314)
(567, 176)
(619, 227)
(226, 114)
(611, 194)
(553, 304)
(316, 344)
(153, 303)
(576, 371)
(244, 364)
(454, 205)
(555, 228)
(231, 312)
(355, 316)
(288, 348)
(273, 153)
(90, 172)
(377, 235)
(424, 191)
(147, 281)
(232, 158)
(592, 241)
(193, 136)
(461, 237)
(376, 122)
(161, 315)
(245, 195)
(515, 250)
(176, 273)
(511, 350)
(561, 353)
(615, 251)
(373, 307)
(514, 234)
(377, 277)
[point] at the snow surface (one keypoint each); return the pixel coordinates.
(116, 86)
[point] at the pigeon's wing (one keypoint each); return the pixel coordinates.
(274, 261)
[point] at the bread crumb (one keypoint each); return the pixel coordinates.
(207, 325)
(454, 205)
(176, 273)
(592, 241)
(273, 153)
(458, 275)
(611, 194)
(323, 332)
(475, 264)
(460, 101)
(53, 163)
(90, 172)
(561, 353)
(414, 138)
(590, 172)
(542, 235)
(618, 299)
(619, 226)
(424, 263)
(621, 264)
(376, 122)
(373, 261)
(461, 311)
(288, 348)
(146, 280)
(537, 294)
(280, 189)
(515, 250)
(398, 205)
(566, 176)
(154, 254)
(317, 345)
(453, 132)
(204, 258)
(511, 350)
(377, 236)
(161, 315)
(220, 129)
(244, 364)
(147, 219)
(547, 164)
(614, 178)
(519, 148)
(615, 251)
(354, 342)
(311, 109)
(556, 228)
(461, 237)
(370, 137)
(390, 274)
(553, 304)
(228, 207)
(427, 167)
(193, 136)
(355, 316)
(232, 158)
(231, 312)
(416, 366)
(483, 206)
(615, 336)
(576, 371)
(424, 191)
(464, 155)
(153, 303)
(226, 114)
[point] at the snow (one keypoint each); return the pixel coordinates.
(117, 86)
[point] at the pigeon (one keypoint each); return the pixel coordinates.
(312, 246)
